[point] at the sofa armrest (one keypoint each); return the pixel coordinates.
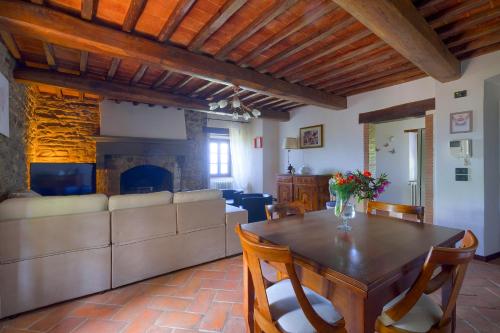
(234, 216)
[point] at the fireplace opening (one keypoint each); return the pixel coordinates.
(146, 179)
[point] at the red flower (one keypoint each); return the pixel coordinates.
(351, 177)
(367, 173)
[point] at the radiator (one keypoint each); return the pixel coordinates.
(221, 183)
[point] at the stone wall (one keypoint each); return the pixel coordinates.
(61, 130)
(13, 174)
(195, 166)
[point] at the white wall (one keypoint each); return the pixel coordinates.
(462, 204)
(142, 121)
(492, 164)
(456, 204)
(343, 136)
(395, 165)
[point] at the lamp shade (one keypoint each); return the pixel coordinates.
(290, 143)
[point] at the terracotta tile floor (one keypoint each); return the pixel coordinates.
(207, 298)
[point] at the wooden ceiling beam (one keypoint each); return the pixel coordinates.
(198, 90)
(368, 77)
(217, 21)
(469, 22)
(107, 89)
(296, 25)
(139, 74)
(323, 52)
(375, 84)
(363, 74)
(220, 91)
(451, 15)
(474, 34)
(180, 11)
(133, 13)
(163, 77)
(278, 8)
(62, 29)
(88, 9)
(65, 30)
(398, 112)
(326, 66)
(11, 44)
(305, 44)
(48, 49)
(183, 83)
(84, 58)
(115, 63)
(400, 25)
(360, 64)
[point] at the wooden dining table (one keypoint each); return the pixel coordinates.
(358, 271)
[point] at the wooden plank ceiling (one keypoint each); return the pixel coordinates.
(312, 48)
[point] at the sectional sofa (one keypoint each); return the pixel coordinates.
(54, 249)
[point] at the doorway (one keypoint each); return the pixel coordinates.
(400, 142)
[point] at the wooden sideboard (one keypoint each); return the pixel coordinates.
(312, 190)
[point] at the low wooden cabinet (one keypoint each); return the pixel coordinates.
(312, 190)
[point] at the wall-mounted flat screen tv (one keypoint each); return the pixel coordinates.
(62, 178)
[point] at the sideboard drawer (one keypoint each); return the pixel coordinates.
(305, 180)
(285, 179)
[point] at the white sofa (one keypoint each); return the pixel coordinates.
(52, 249)
(58, 248)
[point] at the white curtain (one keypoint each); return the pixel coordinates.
(240, 152)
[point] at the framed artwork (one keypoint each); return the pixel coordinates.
(258, 142)
(461, 122)
(4, 105)
(311, 137)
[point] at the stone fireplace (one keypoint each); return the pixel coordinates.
(140, 165)
(146, 179)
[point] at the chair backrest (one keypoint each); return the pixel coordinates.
(239, 196)
(452, 263)
(256, 207)
(406, 212)
(280, 210)
(254, 253)
(229, 194)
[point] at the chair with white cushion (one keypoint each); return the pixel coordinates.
(285, 306)
(414, 310)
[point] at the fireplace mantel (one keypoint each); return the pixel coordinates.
(118, 145)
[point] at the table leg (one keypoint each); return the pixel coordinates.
(358, 314)
(248, 297)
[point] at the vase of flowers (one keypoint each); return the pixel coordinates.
(359, 185)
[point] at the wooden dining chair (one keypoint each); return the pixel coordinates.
(285, 306)
(406, 212)
(280, 210)
(414, 310)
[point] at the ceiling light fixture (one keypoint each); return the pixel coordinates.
(236, 107)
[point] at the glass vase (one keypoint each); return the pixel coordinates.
(344, 209)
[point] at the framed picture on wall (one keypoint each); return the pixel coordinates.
(461, 122)
(4, 105)
(311, 137)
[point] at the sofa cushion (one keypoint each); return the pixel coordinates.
(136, 224)
(37, 237)
(199, 215)
(139, 200)
(25, 208)
(200, 195)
